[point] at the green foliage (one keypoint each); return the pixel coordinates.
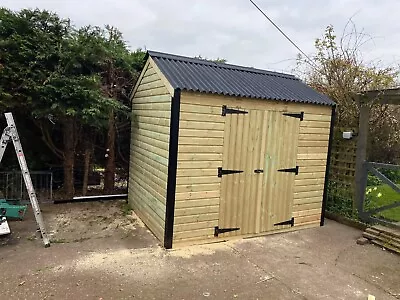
(340, 200)
(381, 195)
(217, 60)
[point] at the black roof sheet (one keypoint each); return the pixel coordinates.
(199, 75)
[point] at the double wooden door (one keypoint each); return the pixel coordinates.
(258, 171)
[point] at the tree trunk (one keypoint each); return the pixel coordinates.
(109, 173)
(86, 166)
(69, 157)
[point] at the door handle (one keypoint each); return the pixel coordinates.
(258, 171)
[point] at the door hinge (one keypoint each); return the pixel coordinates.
(288, 222)
(218, 230)
(226, 110)
(295, 115)
(227, 172)
(290, 170)
(258, 171)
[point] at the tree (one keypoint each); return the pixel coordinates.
(46, 69)
(338, 69)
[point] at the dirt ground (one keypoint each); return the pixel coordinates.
(102, 251)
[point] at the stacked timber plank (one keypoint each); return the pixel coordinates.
(386, 237)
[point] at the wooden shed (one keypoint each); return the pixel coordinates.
(221, 151)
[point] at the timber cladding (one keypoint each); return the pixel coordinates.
(207, 167)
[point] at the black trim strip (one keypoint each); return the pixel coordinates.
(328, 166)
(172, 165)
(295, 115)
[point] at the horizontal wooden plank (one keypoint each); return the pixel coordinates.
(306, 143)
(201, 109)
(313, 130)
(315, 124)
(155, 193)
(198, 173)
(312, 155)
(196, 218)
(201, 125)
(309, 200)
(164, 145)
(152, 99)
(196, 203)
(311, 162)
(198, 164)
(149, 78)
(165, 122)
(312, 150)
(313, 137)
(307, 206)
(195, 226)
(199, 133)
(154, 128)
(304, 213)
(158, 136)
(304, 175)
(147, 175)
(153, 92)
(196, 210)
(197, 180)
(196, 195)
(307, 219)
(162, 114)
(137, 140)
(193, 233)
(199, 149)
(317, 117)
(311, 194)
(201, 141)
(157, 161)
(163, 106)
(152, 206)
(308, 188)
(311, 169)
(150, 71)
(313, 181)
(189, 116)
(197, 187)
(150, 86)
(200, 157)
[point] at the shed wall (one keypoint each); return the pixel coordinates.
(151, 110)
(201, 139)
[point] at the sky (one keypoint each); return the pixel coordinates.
(234, 29)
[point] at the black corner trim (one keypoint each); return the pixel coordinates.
(172, 165)
(328, 166)
(226, 110)
(288, 222)
(295, 115)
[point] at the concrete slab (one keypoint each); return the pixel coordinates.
(320, 263)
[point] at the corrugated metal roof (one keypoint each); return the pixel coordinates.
(199, 75)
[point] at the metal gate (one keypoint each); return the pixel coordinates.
(258, 171)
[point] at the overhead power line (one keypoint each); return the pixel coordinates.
(284, 34)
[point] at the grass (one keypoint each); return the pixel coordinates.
(381, 196)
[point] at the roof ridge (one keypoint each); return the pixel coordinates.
(220, 65)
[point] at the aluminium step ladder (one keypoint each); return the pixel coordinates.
(10, 133)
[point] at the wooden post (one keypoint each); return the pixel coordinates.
(361, 170)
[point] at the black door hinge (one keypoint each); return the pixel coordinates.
(226, 110)
(290, 170)
(295, 115)
(218, 230)
(227, 172)
(288, 222)
(258, 171)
